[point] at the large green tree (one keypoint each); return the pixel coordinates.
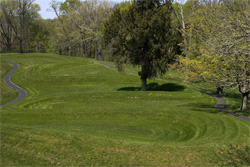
(141, 35)
(224, 46)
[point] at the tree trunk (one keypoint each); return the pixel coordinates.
(90, 49)
(60, 51)
(96, 50)
(9, 46)
(21, 45)
(79, 50)
(143, 75)
(83, 48)
(143, 84)
(9, 38)
(244, 100)
(70, 48)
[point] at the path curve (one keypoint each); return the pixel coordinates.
(22, 93)
(221, 103)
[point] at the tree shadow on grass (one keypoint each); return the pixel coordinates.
(169, 87)
(202, 107)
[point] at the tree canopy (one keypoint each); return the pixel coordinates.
(224, 52)
(18, 20)
(141, 35)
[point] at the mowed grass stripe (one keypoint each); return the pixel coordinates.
(78, 112)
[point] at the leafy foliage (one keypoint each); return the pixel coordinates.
(223, 58)
(142, 36)
(17, 27)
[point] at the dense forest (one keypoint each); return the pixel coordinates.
(208, 40)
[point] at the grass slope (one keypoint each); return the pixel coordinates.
(80, 113)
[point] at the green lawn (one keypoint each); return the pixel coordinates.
(80, 113)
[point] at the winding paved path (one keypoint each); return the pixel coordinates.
(22, 93)
(220, 106)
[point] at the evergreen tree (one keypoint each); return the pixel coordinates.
(141, 35)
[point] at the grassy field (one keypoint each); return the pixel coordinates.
(232, 96)
(80, 113)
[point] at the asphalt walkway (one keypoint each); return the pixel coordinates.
(22, 93)
(220, 106)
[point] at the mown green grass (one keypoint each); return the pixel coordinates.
(232, 96)
(80, 113)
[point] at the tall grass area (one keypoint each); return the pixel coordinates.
(80, 113)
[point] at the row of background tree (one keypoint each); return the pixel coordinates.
(76, 31)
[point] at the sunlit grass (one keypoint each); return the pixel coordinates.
(80, 113)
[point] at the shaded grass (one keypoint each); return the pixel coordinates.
(74, 115)
(170, 87)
